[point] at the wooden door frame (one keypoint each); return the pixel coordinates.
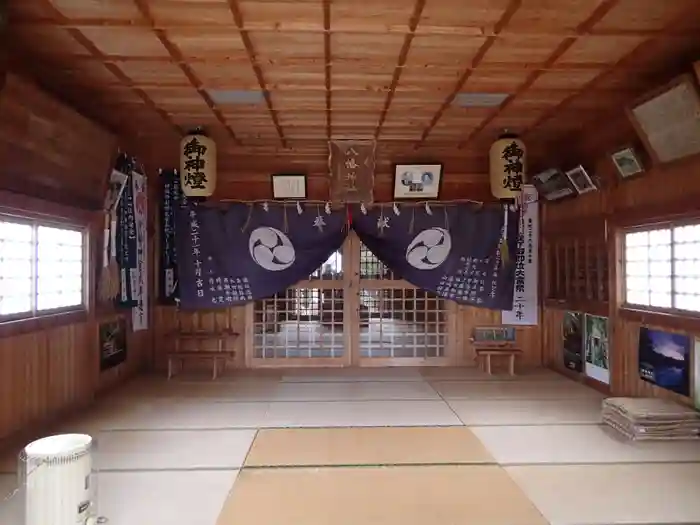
(352, 284)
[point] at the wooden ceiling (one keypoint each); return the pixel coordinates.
(324, 69)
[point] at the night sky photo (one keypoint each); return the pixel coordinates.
(664, 359)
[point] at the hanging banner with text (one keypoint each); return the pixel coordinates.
(140, 285)
(453, 251)
(127, 247)
(525, 306)
(170, 200)
(228, 257)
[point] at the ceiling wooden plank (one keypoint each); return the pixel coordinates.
(94, 51)
(510, 11)
(641, 49)
(408, 39)
(596, 16)
(196, 26)
(177, 57)
(248, 43)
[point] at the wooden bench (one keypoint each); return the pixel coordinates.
(499, 341)
(192, 335)
(217, 358)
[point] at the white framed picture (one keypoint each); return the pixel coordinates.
(581, 180)
(627, 163)
(288, 186)
(417, 181)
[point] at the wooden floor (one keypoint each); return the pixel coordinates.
(384, 446)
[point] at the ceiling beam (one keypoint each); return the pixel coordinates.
(177, 57)
(250, 49)
(506, 17)
(490, 66)
(123, 79)
(403, 55)
(197, 27)
(596, 16)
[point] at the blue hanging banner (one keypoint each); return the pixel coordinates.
(465, 253)
(170, 201)
(126, 242)
(247, 252)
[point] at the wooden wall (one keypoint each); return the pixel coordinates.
(661, 193)
(459, 330)
(50, 154)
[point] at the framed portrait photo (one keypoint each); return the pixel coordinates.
(581, 180)
(553, 185)
(627, 163)
(417, 181)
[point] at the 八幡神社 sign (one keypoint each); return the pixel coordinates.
(352, 165)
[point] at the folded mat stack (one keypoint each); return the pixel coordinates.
(651, 419)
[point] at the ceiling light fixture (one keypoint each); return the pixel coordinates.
(235, 96)
(479, 100)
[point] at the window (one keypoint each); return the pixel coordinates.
(41, 268)
(662, 268)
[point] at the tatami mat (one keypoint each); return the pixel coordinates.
(182, 415)
(527, 411)
(355, 391)
(476, 374)
(172, 498)
(387, 496)
(605, 494)
(361, 414)
(366, 446)
(514, 390)
(10, 504)
(262, 389)
(218, 449)
(577, 444)
(341, 375)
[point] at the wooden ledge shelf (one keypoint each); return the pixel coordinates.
(195, 336)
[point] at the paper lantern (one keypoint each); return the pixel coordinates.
(507, 166)
(197, 165)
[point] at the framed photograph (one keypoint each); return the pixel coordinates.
(581, 180)
(553, 185)
(596, 348)
(627, 163)
(417, 181)
(664, 360)
(288, 186)
(666, 120)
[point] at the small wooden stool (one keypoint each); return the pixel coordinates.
(485, 354)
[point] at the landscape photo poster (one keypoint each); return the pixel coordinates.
(572, 341)
(664, 360)
(597, 348)
(112, 344)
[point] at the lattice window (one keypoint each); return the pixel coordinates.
(402, 323)
(662, 268)
(577, 270)
(373, 268)
(299, 323)
(41, 268)
(332, 269)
